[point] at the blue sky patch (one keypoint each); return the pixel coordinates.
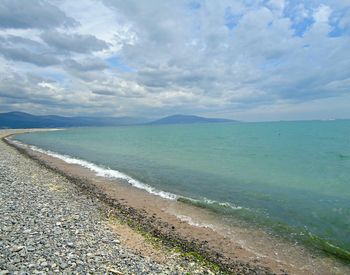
(301, 27)
(231, 19)
(194, 5)
(116, 62)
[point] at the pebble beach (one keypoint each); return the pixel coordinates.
(49, 226)
(61, 218)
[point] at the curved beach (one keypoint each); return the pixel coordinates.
(51, 225)
(131, 214)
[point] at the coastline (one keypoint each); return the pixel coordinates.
(245, 252)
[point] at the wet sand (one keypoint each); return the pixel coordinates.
(236, 248)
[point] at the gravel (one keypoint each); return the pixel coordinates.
(49, 226)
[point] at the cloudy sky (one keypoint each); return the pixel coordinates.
(249, 60)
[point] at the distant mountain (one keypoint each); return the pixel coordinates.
(187, 119)
(25, 120)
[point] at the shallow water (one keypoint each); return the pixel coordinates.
(291, 178)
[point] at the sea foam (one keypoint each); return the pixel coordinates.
(190, 221)
(101, 171)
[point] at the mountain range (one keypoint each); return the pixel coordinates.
(186, 119)
(25, 120)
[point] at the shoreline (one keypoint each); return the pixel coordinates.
(49, 226)
(171, 222)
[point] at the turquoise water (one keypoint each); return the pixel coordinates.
(291, 178)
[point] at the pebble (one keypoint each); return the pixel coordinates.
(44, 264)
(45, 231)
(30, 249)
(16, 248)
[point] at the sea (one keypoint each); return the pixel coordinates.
(291, 179)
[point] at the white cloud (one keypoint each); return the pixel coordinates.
(150, 58)
(102, 22)
(322, 14)
(277, 6)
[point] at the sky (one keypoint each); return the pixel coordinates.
(248, 60)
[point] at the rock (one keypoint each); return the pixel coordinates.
(16, 248)
(23, 253)
(45, 231)
(30, 249)
(114, 271)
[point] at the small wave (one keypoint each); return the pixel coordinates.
(343, 156)
(223, 204)
(271, 226)
(213, 205)
(328, 247)
(190, 221)
(102, 172)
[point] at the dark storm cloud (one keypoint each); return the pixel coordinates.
(36, 14)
